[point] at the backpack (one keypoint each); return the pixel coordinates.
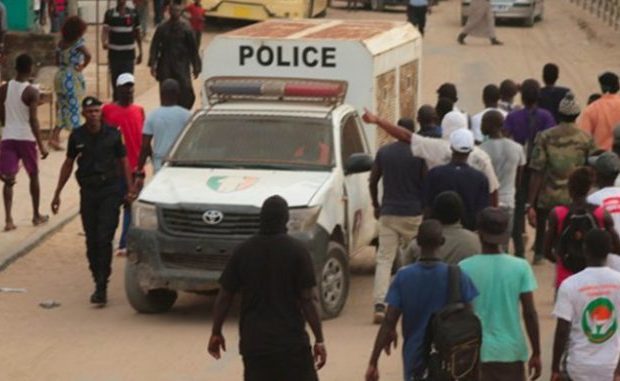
(454, 337)
(572, 228)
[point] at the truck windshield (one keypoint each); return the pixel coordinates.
(256, 142)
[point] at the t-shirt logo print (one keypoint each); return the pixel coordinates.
(599, 321)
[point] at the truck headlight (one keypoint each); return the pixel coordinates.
(144, 216)
(303, 219)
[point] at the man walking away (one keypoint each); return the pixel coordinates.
(416, 13)
(607, 168)
(163, 126)
(21, 137)
(173, 53)
(470, 184)
(102, 162)
(551, 95)
(459, 243)
(504, 282)
(587, 317)
(418, 307)
(58, 12)
(480, 23)
(490, 98)
(399, 213)
(428, 122)
(523, 126)
(508, 89)
(121, 34)
(603, 115)
(128, 117)
(508, 161)
(274, 274)
(557, 152)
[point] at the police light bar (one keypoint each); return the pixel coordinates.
(222, 89)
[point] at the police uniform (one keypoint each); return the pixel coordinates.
(98, 175)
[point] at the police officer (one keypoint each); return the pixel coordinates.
(101, 160)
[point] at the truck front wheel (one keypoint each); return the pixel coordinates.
(147, 302)
(333, 281)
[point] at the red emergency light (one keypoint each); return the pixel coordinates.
(222, 89)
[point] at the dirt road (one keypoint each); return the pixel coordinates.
(76, 342)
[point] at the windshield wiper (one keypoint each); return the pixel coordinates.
(202, 164)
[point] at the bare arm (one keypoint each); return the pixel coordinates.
(87, 57)
(494, 198)
(65, 173)
(530, 317)
(536, 180)
(30, 98)
(562, 330)
(105, 31)
(397, 132)
(609, 226)
(138, 36)
(386, 335)
(550, 238)
(145, 151)
(220, 311)
(309, 300)
(3, 90)
(519, 176)
(375, 176)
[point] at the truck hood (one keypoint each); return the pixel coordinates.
(175, 185)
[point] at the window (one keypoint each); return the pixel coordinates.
(351, 138)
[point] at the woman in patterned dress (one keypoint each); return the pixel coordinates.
(72, 57)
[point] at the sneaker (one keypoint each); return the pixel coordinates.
(379, 314)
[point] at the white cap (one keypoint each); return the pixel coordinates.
(125, 79)
(452, 121)
(462, 140)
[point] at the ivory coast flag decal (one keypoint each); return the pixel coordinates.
(599, 320)
(228, 184)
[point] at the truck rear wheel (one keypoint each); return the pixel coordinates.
(333, 281)
(146, 302)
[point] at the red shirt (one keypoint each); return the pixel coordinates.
(130, 120)
(196, 16)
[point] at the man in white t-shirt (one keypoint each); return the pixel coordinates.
(607, 167)
(490, 98)
(438, 151)
(587, 317)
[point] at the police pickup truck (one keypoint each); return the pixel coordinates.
(257, 137)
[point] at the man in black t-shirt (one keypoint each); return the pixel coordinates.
(274, 274)
(101, 160)
(121, 36)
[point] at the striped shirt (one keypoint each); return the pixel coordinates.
(122, 33)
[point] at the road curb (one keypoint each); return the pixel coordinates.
(30, 243)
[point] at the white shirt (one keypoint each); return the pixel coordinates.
(438, 152)
(589, 300)
(506, 156)
(476, 122)
(608, 198)
(17, 113)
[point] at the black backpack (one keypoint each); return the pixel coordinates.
(454, 337)
(572, 228)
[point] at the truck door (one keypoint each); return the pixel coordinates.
(360, 219)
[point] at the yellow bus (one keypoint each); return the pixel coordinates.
(265, 9)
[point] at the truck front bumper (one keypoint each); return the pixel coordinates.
(196, 264)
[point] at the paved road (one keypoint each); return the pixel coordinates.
(76, 342)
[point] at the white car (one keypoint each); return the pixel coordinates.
(249, 144)
(527, 10)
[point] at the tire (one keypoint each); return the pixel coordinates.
(377, 5)
(146, 302)
(333, 281)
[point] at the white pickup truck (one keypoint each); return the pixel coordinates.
(308, 148)
(297, 135)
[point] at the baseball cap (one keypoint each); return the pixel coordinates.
(91, 101)
(493, 226)
(125, 79)
(462, 141)
(606, 163)
(452, 121)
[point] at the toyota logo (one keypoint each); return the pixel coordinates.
(212, 217)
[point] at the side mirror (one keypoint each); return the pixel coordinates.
(358, 163)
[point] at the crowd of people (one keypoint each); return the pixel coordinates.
(459, 188)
